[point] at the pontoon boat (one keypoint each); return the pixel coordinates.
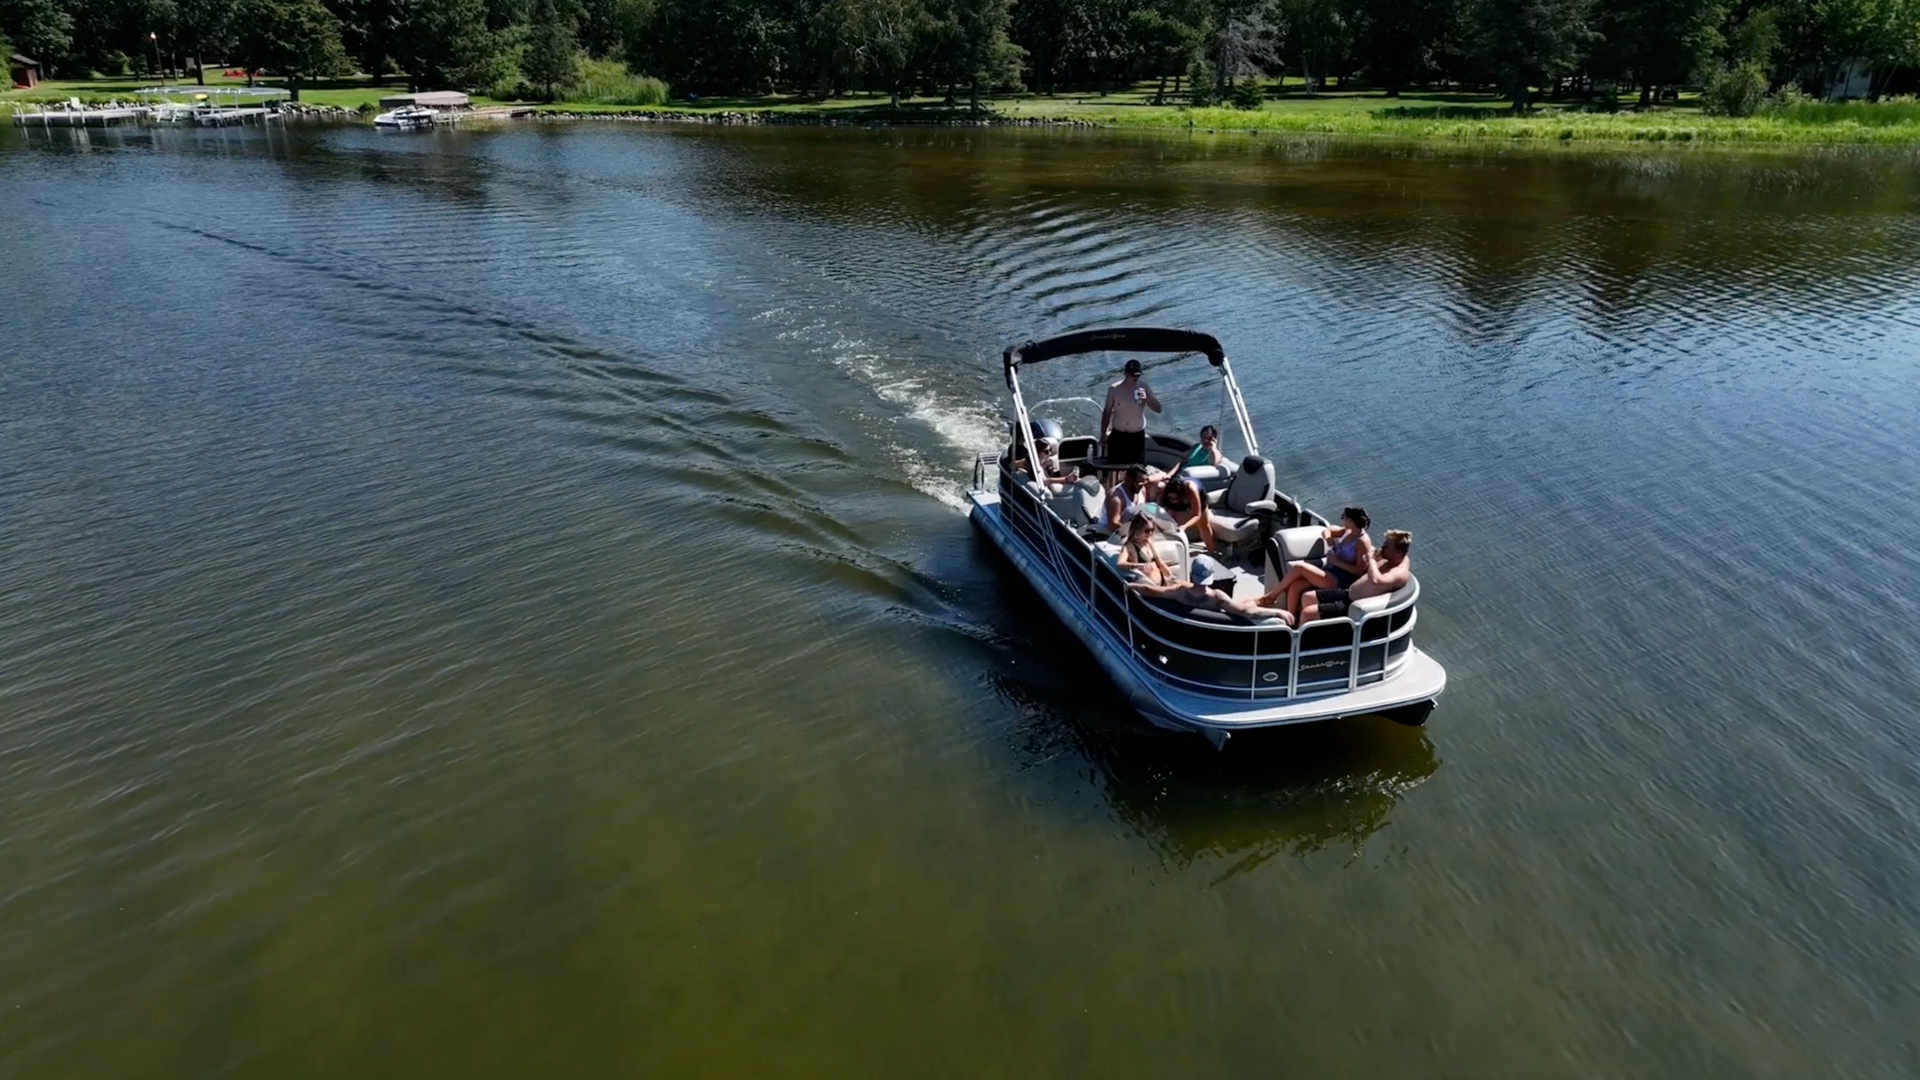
(1191, 668)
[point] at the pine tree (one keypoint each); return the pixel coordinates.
(553, 50)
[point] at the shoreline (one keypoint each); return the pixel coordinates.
(1534, 130)
(1368, 122)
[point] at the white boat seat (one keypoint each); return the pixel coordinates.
(1373, 605)
(1234, 509)
(1078, 503)
(1307, 542)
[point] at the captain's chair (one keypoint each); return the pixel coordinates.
(1240, 510)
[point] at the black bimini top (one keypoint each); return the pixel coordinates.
(1123, 339)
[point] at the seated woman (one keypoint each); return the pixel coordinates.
(1139, 560)
(1391, 569)
(1206, 451)
(1182, 500)
(1153, 577)
(1349, 553)
(1050, 471)
(1050, 463)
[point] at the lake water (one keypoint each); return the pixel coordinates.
(495, 603)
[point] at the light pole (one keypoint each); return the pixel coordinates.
(155, 39)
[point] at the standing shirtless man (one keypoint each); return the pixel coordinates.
(1123, 422)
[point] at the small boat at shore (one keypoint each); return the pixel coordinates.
(1189, 668)
(406, 118)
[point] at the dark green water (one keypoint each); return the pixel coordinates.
(494, 603)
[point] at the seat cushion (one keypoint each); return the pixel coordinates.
(1373, 605)
(1234, 528)
(1252, 483)
(1078, 503)
(1302, 543)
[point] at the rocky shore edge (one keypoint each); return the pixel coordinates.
(804, 119)
(727, 118)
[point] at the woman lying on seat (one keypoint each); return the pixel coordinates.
(1153, 577)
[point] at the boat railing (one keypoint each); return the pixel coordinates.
(1227, 658)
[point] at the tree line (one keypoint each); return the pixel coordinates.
(1192, 50)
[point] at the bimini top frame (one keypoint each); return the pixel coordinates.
(1147, 339)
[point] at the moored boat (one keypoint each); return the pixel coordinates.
(1199, 669)
(406, 118)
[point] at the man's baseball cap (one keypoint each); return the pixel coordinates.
(1133, 367)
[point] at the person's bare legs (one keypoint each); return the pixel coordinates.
(1299, 577)
(1309, 609)
(1253, 610)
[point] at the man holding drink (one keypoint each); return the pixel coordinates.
(1123, 422)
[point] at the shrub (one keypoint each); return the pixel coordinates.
(506, 86)
(1790, 97)
(1246, 93)
(610, 82)
(1200, 81)
(1736, 91)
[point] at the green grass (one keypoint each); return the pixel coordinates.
(1467, 116)
(1451, 116)
(608, 82)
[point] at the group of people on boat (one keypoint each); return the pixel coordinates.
(1354, 570)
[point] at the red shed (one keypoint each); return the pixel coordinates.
(25, 71)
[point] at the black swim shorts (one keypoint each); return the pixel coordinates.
(1127, 447)
(1333, 602)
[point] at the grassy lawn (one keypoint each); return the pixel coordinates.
(1450, 115)
(1285, 108)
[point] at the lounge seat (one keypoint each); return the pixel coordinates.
(1288, 546)
(1078, 503)
(1240, 510)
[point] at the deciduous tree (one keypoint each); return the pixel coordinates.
(296, 39)
(1527, 43)
(40, 29)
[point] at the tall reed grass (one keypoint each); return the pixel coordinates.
(608, 82)
(1900, 110)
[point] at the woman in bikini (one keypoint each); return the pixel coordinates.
(1140, 557)
(1349, 554)
(1183, 502)
(1156, 579)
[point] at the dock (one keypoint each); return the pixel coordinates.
(74, 114)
